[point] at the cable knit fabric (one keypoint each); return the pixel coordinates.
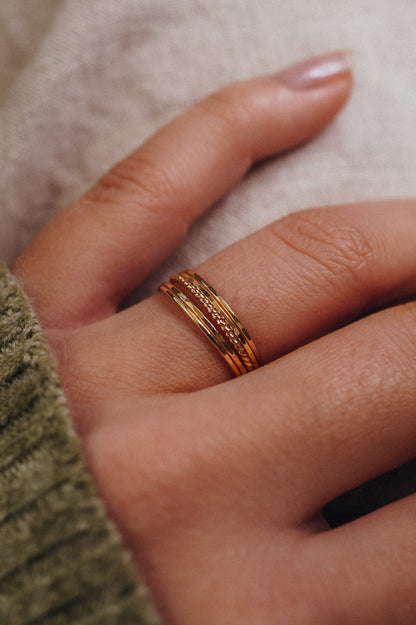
(61, 559)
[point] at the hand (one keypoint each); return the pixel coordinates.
(218, 484)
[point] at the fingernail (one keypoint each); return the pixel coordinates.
(317, 71)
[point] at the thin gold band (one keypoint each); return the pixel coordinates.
(215, 319)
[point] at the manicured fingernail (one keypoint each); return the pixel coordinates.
(317, 71)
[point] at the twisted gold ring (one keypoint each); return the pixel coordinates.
(214, 317)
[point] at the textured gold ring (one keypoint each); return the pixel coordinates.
(214, 317)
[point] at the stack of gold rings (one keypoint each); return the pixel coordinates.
(215, 319)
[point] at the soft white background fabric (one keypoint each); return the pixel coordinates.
(82, 83)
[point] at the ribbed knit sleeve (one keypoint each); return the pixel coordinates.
(61, 560)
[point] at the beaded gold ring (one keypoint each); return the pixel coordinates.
(214, 317)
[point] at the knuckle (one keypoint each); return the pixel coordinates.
(333, 242)
(231, 111)
(136, 180)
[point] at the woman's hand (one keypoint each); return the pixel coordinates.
(218, 487)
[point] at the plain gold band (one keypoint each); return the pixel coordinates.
(214, 317)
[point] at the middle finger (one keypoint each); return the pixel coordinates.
(289, 283)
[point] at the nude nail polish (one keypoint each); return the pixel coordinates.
(316, 71)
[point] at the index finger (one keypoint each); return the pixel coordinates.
(96, 251)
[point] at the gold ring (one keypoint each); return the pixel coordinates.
(214, 317)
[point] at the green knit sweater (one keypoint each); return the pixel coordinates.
(61, 559)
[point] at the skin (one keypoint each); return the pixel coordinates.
(217, 483)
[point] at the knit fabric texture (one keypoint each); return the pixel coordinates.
(61, 559)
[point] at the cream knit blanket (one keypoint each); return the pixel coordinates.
(83, 82)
